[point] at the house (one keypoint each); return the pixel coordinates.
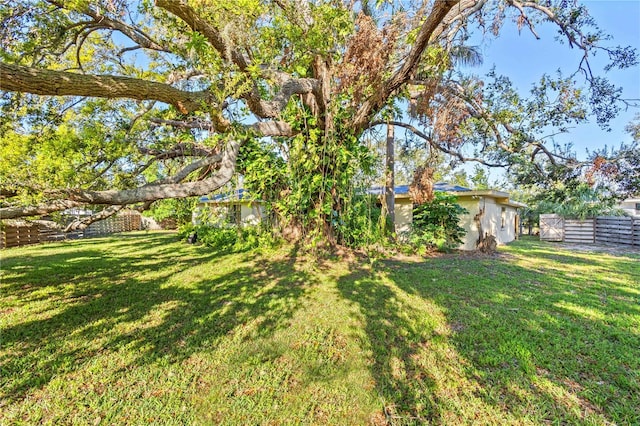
(497, 213)
(498, 216)
(631, 206)
(235, 208)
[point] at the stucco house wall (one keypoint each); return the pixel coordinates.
(251, 213)
(403, 215)
(499, 218)
(631, 206)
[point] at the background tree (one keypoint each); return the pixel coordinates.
(618, 169)
(126, 103)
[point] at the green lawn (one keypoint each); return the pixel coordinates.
(140, 328)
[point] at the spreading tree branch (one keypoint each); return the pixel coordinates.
(289, 86)
(169, 188)
(185, 12)
(81, 224)
(17, 78)
(136, 35)
(39, 210)
(434, 144)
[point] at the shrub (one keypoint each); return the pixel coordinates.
(359, 224)
(229, 239)
(220, 239)
(185, 230)
(436, 224)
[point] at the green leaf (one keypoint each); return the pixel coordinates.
(301, 70)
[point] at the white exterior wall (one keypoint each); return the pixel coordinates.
(403, 215)
(492, 221)
(467, 222)
(629, 206)
(217, 214)
(250, 214)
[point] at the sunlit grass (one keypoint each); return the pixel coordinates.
(141, 328)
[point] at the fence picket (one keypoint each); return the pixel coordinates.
(19, 235)
(619, 230)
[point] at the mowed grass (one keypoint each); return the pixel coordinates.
(142, 329)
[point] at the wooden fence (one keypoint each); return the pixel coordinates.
(551, 227)
(19, 235)
(579, 231)
(123, 222)
(27, 233)
(617, 230)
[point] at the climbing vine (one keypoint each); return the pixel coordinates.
(307, 181)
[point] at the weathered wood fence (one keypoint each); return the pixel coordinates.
(19, 235)
(29, 233)
(617, 230)
(123, 222)
(579, 231)
(551, 227)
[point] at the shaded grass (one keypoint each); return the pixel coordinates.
(533, 336)
(141, 328)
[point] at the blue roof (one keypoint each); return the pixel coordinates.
(446, 187)
(237, 195)
(243, 194)
(404, 189)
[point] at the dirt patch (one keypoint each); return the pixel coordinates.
(599, 248)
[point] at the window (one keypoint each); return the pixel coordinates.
(638, 207)
(503, 216)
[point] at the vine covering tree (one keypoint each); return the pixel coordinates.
(122, 103)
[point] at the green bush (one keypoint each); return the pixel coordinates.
(185, 230)
(359, 224)
(436, 224)
(229, 239)
(178, 209)
(220, 239)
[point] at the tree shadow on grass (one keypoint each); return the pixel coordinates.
(163, 305)
(555, 344)
(393, 336)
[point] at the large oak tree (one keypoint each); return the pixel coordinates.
(124, 103)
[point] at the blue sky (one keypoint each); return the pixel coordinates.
(524, 59)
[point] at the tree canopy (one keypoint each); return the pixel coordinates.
(124, 103)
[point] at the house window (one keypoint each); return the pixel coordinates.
(503, 217)
(638, 207)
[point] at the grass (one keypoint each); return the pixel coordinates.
(140, 328)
